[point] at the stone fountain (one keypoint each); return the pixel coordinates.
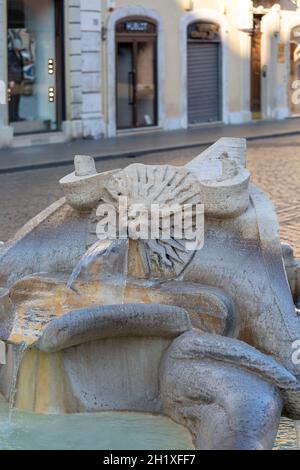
(204, 336)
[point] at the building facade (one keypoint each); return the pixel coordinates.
(92, 68)
(50, 62)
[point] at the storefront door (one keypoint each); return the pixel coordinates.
(204, 66)
(136, 88)
(256, 68)
(35, 66)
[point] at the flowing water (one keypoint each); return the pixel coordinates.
(19, 351)
(99, 249)
(110, 260)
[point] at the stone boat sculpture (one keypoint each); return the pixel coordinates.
(205, 336)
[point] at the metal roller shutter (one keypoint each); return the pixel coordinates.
(204, 95)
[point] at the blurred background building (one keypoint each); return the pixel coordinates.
(93, 68)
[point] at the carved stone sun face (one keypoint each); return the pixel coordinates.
(157, 199)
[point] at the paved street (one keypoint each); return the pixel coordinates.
(43, 155)
(275, 167)
(274, 163)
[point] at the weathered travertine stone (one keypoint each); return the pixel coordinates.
(223, 180)
(292, 267)
(6, 314)
(113, 321)
(84, 187)
(227, 393)
(109, 342)
(84, 166)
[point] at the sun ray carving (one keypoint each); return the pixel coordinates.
(171, 191)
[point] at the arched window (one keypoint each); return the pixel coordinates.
(264, 3)
(201, 31)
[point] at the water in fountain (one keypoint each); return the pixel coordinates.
(19, 352)
(90, 431)
(110, 259)
(100, 248)
(298, 432)
(103, 431)
(287, 436)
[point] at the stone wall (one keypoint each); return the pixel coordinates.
(84, 100)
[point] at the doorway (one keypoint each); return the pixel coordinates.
(136, 77)
(256, 41)
(204, 65)
(35, 65)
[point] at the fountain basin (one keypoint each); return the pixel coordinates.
(158, 325)
(38, 300)
(101, 357)
(105, 431)
(92, 431)
(105, 358)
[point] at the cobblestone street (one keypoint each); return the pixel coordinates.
(274, 163)
(275, 167)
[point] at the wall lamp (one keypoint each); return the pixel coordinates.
(51, 66)
(111, 5)
(51, 94)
